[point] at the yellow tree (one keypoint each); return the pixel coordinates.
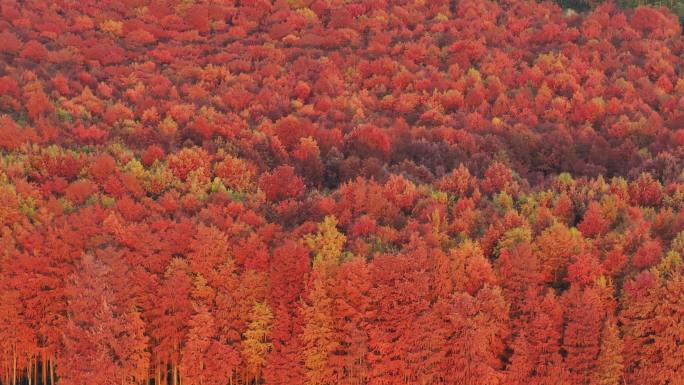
(327, 243)
(318, 333)
(609, 364)
(256, 343)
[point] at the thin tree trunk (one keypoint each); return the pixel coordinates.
(52, 372)
(157, 373)
(174, 379)
(43, 366)
(14, 365)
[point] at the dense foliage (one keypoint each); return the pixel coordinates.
(340, 192)
(676, 6)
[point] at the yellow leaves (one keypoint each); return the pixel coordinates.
(168, 126)
(112, 27)
(296, 4)
(514, 237)
(136, 168)
(564, 180)
(503, 201)
(184, 5)
(441, 17)
(296, 104)
(327, 243)
(235, 173)
(469, 267)
(555, 246)
(9, 205)
(308, 14)
(317, 335)
(474, 75)
(256, 344)
(669, 264)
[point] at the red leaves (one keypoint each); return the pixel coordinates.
(290, 129)
(92, 134)
(645, 191)
(400, 192)
(165, 165)
(79, 191)
(593, 223)
(140, 37)
(369, 141)
(152, 154)
(654, 23)
(647, 255)
(497, 178)
(34, 50)
(38, 104)
(281, 184)
(9, 43)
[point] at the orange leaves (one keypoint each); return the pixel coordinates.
(290, 129)
(458, 181)
(400, 191)
(38, 104)
(498, 177)
(80, 190)
(471, 271)
(256, 343)
(188, 160)
(11, 135)
(112, 26)
(9, 206)
(593, 223)
(645, 191)
(103, 167)
(329, 192)
(584, 270)
(235, 173)
(140, 37)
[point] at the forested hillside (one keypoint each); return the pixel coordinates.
(323, 192)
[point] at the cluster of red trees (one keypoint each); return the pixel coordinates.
(340, 192)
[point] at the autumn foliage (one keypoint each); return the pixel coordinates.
(340, 192)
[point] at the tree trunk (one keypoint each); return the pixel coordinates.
(14, 365)
(174, 379)
(157, 374)
(43, 366)
(52, 372)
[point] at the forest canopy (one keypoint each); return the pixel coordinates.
(319, 192)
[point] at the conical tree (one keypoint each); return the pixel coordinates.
(609, 364)
(256, 343)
